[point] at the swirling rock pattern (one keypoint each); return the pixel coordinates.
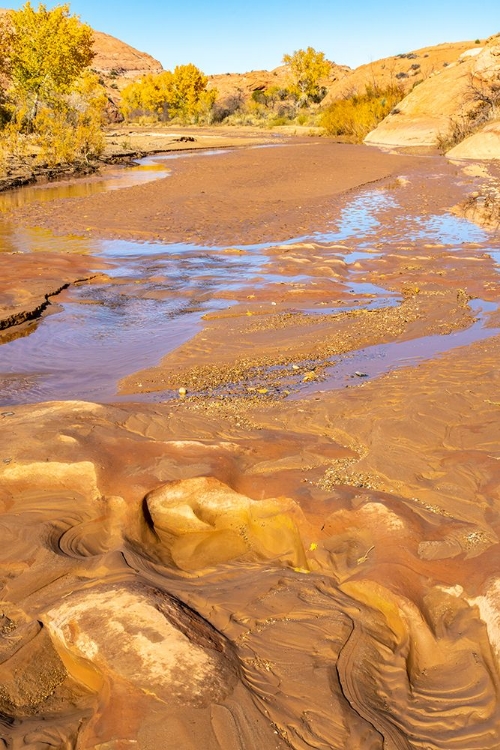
(264, 574)
(236, 621)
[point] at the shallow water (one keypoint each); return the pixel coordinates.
(100, 334)
(373, 361)
(116, 178)
(145, 170)
(315, 578)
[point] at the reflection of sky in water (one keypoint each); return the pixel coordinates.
(495, 254)
(359, 220)
(355, 256)
(84, 349)
(377, 360)
(359, 217)
(446, 229)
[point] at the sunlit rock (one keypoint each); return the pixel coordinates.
(36, 677)
(202, 522)
(144, 637)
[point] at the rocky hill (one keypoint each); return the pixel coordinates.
(406, 70)
(118, 61)
(457, 106)
(242, 85)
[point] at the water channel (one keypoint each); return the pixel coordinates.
(158, 293)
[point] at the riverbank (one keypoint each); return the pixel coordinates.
(248, 195)
(125, 145)
(250, 470)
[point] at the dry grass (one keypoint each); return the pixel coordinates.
(357, 114)
(483, 105)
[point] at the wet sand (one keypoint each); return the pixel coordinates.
(251, 195)
(302, 550)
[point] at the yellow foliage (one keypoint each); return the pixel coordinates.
(181, 93)
(356, 115)
(44, 51)
(68, 131)
(71, 132)
(307, 68)
(186, 87)
(55, 104)
(147, 96)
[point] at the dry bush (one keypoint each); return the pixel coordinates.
(13, 141)
(357, 114)
(483, 104)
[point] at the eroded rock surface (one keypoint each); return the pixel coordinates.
(263, 557)
(451, 100)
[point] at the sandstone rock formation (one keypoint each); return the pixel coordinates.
(459, 100)
(482, 145)
(119, 60)
(405, 69)
(201, 522)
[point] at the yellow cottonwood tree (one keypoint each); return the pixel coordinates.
(70, 131)
(149, 96)
(182, 93)
(186, 87)
(55, 105)
(44, 51)
(307, 68)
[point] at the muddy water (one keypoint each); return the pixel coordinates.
(237, 571)
(160, 293)
(147, 169)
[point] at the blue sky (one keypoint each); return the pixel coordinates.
(220, 36)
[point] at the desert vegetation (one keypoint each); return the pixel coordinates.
(52, 104)
(299, 101)
(184, 96)
(180, 95)
(296, 101)
(482, 104)
(356, 114)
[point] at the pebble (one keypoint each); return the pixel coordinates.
(182, 391)
(7, 414)
(361, 374)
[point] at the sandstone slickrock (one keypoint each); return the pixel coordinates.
(203, 522)
(241, 569)
(452, 94)
(405, 70)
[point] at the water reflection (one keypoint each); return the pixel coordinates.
(148, 169)
(21, 239)
(160, 291)
(377, 360)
